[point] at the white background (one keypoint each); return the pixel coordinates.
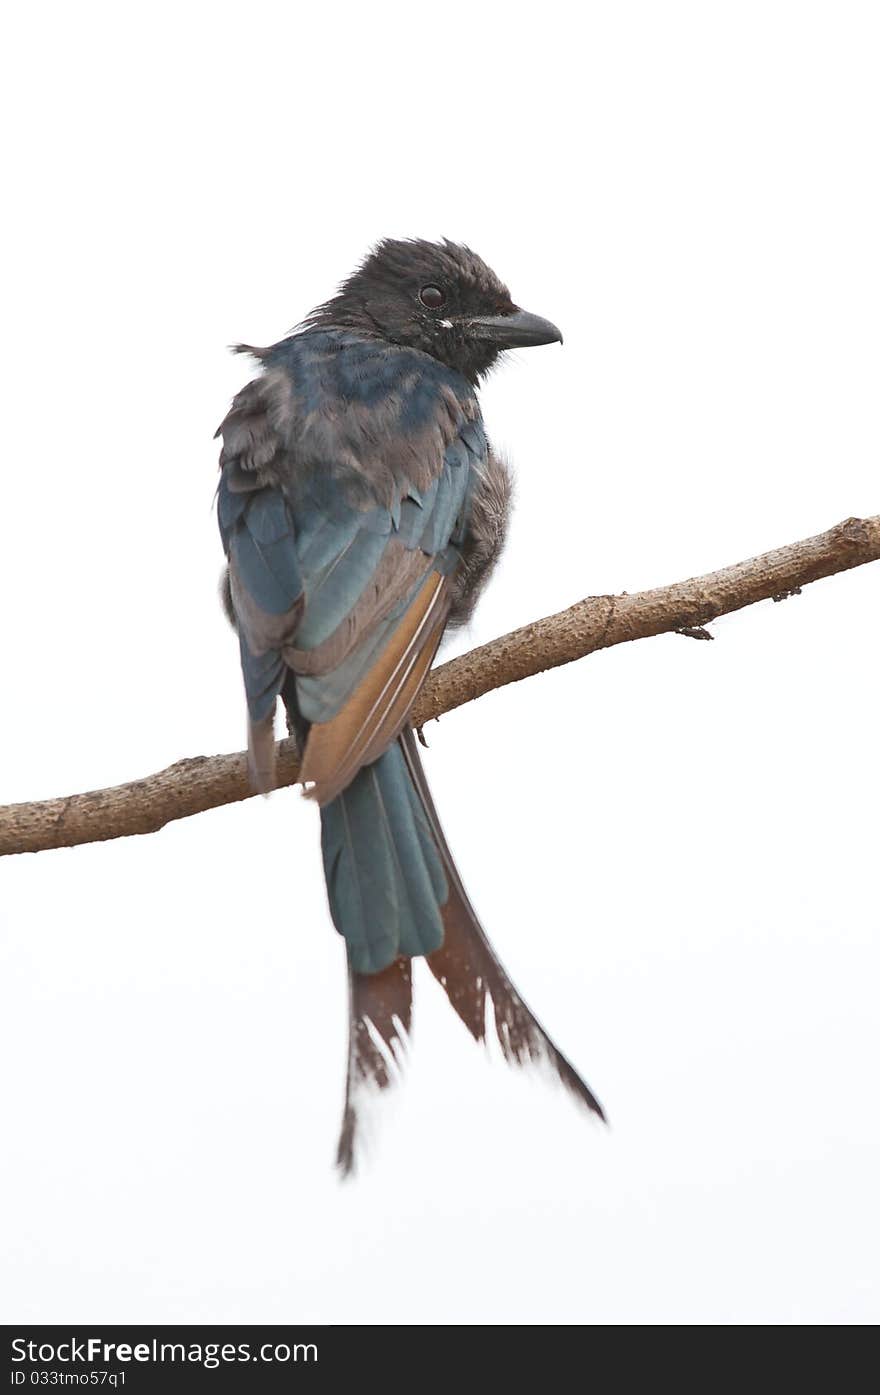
(673, 845)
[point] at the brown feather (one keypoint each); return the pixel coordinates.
(378, 708)
(410, 681)
(471, 975)
(384, 1001)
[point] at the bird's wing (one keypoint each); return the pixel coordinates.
(340, 576)
(379, 704)
(259, 538)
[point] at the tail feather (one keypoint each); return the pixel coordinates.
(385, 879)
(392, 882)
(380, 1011)
(472, 976)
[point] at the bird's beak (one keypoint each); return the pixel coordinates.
(519, 330)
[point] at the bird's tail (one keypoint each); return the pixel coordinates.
(395, 891)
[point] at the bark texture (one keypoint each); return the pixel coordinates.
(204, 782)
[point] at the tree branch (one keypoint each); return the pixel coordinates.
(205, 782)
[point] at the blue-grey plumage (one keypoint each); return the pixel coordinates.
(385, 879)
(362, 510)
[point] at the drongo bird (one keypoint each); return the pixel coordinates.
(362, 510)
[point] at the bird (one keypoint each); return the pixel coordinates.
(362, 510)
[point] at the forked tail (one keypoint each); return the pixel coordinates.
(394, 882)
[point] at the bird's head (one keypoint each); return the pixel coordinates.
(439, 297)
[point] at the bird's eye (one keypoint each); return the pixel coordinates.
(432, 297)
